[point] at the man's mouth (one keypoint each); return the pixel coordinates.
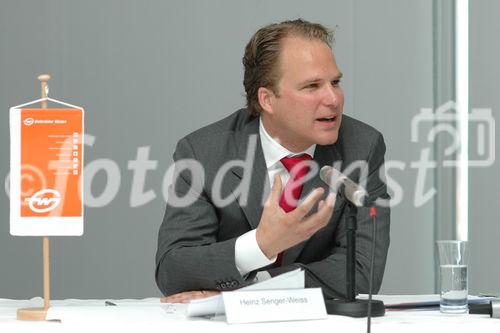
(327, 119)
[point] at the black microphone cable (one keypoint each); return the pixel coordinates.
(373, 215)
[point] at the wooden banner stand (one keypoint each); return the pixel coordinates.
(39, 314)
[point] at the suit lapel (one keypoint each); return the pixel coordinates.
(259, 183)
(323, 155)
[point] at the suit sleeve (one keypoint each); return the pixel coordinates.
(189, 256)
(330, 273)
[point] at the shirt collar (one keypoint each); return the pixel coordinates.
(273, 151)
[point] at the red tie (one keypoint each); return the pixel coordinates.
(291, 193)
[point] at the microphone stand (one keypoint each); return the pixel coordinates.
(350, 306)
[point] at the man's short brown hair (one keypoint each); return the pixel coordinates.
(261, 59)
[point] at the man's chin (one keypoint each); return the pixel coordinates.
(327, 140)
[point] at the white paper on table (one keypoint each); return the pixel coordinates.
(104, 314)
(215, 306)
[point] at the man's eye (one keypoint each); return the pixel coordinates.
(312, 86)
(335, 83)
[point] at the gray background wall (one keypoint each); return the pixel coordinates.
(484, 222)
(150, 72)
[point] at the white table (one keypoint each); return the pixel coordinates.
(132, 315)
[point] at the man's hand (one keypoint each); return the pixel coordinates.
(278, 231)
(187, 296)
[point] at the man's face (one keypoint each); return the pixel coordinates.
(307, 108)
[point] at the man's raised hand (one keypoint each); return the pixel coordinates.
(278, 230)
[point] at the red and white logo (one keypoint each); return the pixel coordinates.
(44, 200)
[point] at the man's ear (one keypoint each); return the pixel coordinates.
(266, 97)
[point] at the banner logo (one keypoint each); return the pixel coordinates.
(28, 121)
(44, 201)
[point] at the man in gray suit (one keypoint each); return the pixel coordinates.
(225, 225)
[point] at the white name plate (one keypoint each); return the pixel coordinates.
(274, 305)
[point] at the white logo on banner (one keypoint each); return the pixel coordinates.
(28, 121)
(40, 203)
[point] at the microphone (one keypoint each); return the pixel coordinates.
(358, 197)
(353, 192)
(492, 308)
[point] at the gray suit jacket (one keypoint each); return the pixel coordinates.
(196, 243)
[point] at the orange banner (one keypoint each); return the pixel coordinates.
(51, 143)
(46, 177)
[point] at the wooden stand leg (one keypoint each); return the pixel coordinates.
(46, 273)
(39, 314)
(31, 314)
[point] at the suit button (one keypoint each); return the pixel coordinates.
(234, 283)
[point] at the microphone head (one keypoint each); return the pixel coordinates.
(324, 174)
(331, 176)
(339, 182)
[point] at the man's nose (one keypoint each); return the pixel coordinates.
(332, 96)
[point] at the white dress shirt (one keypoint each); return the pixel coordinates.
(248, 255)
